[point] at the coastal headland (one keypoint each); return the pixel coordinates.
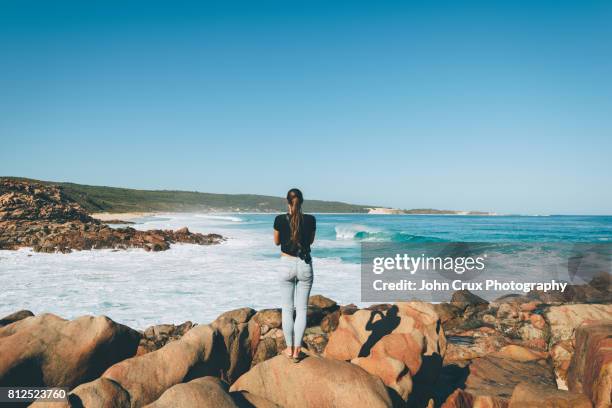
(44, 218)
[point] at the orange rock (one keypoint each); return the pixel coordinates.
(590, 370)
(491, 379)
(205, 392)
(391, 344)
(537, 321)
(564, 320)
(46, 350)
(459, 399)
(392, 357)
(146, 377)
(313, 382)
(519, 353)
(529, 306)
(527, 395)
(102, 393)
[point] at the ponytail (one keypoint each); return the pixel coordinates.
(295, 200)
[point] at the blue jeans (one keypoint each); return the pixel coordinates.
(295, 280)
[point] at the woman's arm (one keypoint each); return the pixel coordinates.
(276, 238)
(314, 230)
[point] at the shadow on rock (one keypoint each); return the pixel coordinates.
(385, 325)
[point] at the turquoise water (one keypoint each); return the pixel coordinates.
(350, 230)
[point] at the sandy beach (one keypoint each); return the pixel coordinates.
(105, 216)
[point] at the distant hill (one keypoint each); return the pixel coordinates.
(115, 199)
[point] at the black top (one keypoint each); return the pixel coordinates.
(307, 228)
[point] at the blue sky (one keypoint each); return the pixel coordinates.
(498, 106)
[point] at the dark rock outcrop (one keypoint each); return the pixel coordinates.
(43, 218)
(14, 317)
(155, 337)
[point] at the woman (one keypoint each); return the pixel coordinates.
(295, 232)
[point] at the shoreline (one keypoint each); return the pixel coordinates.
(127, 216)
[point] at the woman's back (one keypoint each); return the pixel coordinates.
(308, 225)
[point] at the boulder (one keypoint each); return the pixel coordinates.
(46, 350)
(325, 304)
(346, 342)
(396, 359)
(204, 392)
(590, 370)
(247, 400)
(528, 395)
(348, 309)
(564, 320)
(329, 323)
(358, 332)
(100, 393)
(270, 345)
(155, 337)
(459, 399)
(470, 344)
(265, 320)
(146, 377)
(398, 344)
(491, 379)
(316, 340)
(13, 317)
(598, 290)
(314, 315)
(447, 311)
(313, 382)
(464, 298)
(239, 345)
(241, 315)
(266, 349)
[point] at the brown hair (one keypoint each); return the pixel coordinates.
(295, 200)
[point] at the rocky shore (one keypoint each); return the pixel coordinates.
(43, 218)
(534, 350)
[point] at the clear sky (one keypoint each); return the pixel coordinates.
(491, 105)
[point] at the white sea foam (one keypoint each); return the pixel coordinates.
(350, 231)
(220, 217)
(187, 282)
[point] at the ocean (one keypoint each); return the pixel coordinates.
(197, 283)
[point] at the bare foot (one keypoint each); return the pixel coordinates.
(296, 352)
(288, 352)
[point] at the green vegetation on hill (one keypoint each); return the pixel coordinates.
(113, 199)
